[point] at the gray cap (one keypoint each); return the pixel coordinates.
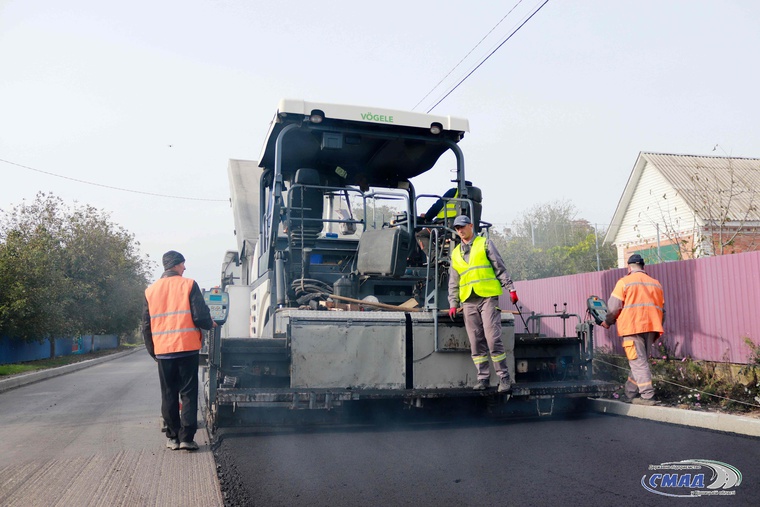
(171, 259)
(636, 259)
(462, 220)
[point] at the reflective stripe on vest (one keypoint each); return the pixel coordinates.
(449, 209)
(643, 304)
(476, 275)
(171, 320)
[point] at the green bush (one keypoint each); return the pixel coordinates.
(686, 382)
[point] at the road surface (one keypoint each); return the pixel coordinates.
(591, 460)
(92, 438)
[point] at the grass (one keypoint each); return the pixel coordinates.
(13, 369)
(54, 362)
(686, 383)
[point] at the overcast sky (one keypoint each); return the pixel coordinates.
(155, 97)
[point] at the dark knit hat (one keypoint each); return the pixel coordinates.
(171, 259)
(636, 259)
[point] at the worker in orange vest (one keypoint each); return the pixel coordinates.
(173, 312)
(637, 305)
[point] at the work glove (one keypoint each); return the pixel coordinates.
(452, 312)
(513, 297)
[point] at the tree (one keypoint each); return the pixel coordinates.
(548, 240)
(522, 260)
(585, 256)
(104, 261)
(551, 224)
(34, 293)
(67, 271)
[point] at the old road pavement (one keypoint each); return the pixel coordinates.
(92, 437)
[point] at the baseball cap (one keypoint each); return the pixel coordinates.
(462, 220)
(636, 259)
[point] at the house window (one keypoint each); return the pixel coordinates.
(667, 253)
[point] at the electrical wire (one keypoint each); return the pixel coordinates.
(111, 187)
(488, 56)
(468, 54)
(691, 389)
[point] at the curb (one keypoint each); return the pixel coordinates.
(37, 376)
(707, 420)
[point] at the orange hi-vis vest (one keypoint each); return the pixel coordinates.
(171, 321)
(643, 304)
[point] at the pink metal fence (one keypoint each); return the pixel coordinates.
(712, 304)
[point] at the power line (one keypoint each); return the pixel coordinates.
(468, 54)
(488, 56)
(111, 187)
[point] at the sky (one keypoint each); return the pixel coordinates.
(136, 107)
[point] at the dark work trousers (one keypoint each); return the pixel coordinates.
(179, 381)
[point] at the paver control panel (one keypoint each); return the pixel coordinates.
(597, 309)
(218, 303)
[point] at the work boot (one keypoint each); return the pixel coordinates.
(172, 443)
(625, 399)
(649, 402)
(505, 385)
(189, 446)
(482, 385)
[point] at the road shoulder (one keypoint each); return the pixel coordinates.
(707, 420)
(23, 379)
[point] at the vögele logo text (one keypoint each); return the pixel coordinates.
(377, 117)
(692, 477)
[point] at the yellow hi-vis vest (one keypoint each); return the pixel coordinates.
(171, 320)
(449, 209)
(477, 275)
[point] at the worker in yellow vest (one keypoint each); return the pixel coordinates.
(441, 210)
(476, 278)
(173, 315)
(637, 305)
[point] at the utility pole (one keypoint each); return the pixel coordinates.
(659, 257)
(596, 240)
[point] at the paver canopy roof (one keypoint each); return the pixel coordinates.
(372, 149)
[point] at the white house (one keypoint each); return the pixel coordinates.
(687, 206)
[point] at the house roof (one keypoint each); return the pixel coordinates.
(693, 177)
